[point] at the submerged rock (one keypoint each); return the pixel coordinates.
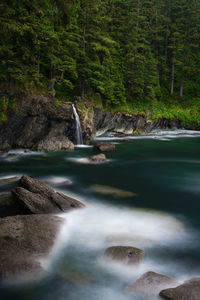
(125, 255)
(39, 198)
(128, 240)
(96, 159)
(64, 182)
(104, 147)
(26, 241)
(8, 180)
(189, 290)
(150, 284)
(109, 190)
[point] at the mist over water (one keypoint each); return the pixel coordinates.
(163, 219)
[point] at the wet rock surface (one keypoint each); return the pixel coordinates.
(96, 159)
(120, 123)
(33, 196)
(38, 197)
(189, 290)
(125, 255)
(150, 284)
(104, 147)
(25, 242)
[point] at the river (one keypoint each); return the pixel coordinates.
(157, 209)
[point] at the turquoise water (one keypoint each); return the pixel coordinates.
(162, 218)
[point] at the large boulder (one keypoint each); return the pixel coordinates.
(26, 241)
(189, 290)
(150, 284)
(125, 255)
(38, 197)
(38, 123)
(53, 144)
(104, 147)
(96, 159)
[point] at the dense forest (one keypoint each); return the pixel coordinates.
(127, 53)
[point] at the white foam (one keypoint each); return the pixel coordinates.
(163, 135)
(98, 222)
(83, 146)
(22, 152)
(84, 160)
(10, 176)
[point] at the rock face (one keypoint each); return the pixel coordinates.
(189, 290)
(26, 241)
(121, 123)
(44, 124)
(150, 284)
(39, 124)
(96, 159)
(127, 124)
(39, 198)
(104, 147)
(125, 255)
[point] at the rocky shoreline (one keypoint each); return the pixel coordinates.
(29, 231)
(42, 124)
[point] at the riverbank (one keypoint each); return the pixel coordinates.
(42, 123)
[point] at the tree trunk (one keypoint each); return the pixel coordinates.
(183, 75)
(38, 65)
(11, 89)
(173, 76)
(182, 80)
(138, 12)
(53, 78)
(62, 75)
(83, 91)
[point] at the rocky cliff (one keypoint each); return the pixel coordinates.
(44, 124)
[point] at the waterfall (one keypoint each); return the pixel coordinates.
(79, 136)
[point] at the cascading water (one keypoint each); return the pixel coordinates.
(79, 135)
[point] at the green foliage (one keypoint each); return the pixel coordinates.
(126, 55)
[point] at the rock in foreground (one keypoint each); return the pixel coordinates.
(25, 242)
(125, 255)
(189, 290)
(150, 284)
(39, 198)
(104, 147)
